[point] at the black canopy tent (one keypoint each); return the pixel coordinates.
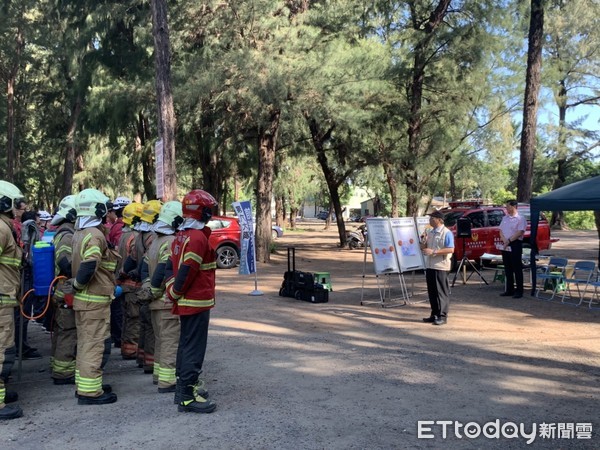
(580, 196)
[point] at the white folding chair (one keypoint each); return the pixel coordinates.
(581, 278)
(551, 277)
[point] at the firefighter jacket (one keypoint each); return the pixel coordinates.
(192, 287)
(93, 267)
(115, 233)
(10, 264)
(156, 257)
(142, 243)
(63, 256)
(126, 249)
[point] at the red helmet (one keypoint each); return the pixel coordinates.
(198, 204)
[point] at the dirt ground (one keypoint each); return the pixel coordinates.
(288, 374)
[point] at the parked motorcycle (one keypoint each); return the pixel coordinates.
(356, 238)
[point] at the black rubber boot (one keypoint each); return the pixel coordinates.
(191, 402)
(11, 397)
(104, 399)
(107, 388)
(10, 412)
(166, 390)
(177, 397)
(61, 381)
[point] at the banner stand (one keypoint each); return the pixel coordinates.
(255, 292)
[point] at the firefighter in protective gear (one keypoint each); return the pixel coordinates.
(146, 343)
(129, 282)
(64, 336)
(114, 235)
(10, 264)
(192, 290)
(93, 268)
(164, 323)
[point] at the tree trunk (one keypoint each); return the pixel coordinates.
(280, 210)
(148, 169)
(392, 185)
(70, 150)
(557, 221)
(415, 121)
(267, 143)
(293, 214)
(11, 159)
(164, 96)
(530, 107)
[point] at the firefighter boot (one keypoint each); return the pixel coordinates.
(199, 389)
(191, 402)
(11, 397)
(10, 412)
(104, 399)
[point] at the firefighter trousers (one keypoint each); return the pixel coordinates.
(93, 338)
(7, 336)
(166, 334)
(131, 323)
(146, 342)
(64, 342)
(192, 347)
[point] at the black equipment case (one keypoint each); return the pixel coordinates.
(301, 285)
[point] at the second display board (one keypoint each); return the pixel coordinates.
(394, 245)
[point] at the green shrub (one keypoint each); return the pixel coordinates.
(580, 220)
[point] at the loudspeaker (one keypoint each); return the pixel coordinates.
(463, 228)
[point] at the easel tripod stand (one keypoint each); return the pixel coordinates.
(464, 262)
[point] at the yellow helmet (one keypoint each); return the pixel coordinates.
(151, 211)
(132, 213)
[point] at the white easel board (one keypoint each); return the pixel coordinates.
(381, 242)
(406, 242)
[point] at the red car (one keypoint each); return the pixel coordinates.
(485, 229)
(226, 240)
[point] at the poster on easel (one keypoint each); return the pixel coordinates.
(406, 243)
(381, 242)
(423, 226)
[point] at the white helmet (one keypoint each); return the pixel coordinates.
(92, 203)
(44, 215)
(120, 203)
(9, 194)
(66, 210)
(171, 213)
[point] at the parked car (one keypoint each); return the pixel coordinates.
(226, 240)
(485, 229)
(322, 215)
(276, 231)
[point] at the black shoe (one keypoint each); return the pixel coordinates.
(518, 295)
(31, 354)
(507, 294)
(165, 390)
(440, 321)
(107, 388)
(10, 412)
(203, 406)
(11, 397)
(63, 381)
(104, 399)
(430, 319)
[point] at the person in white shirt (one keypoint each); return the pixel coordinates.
(512, 229)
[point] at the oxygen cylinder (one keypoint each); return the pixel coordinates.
(43, 267)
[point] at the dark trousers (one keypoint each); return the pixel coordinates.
(438, 289)
(192, 347)
(513, 268)
(116, 320)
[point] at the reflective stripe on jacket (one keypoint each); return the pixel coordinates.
(197, 294)
(11, 256)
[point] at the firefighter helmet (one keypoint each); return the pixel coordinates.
(92, 203)
(66, 210)
(9, 194)
(198, 204)
(151, 211)
(121, 202)
(44, 215)
(132, 213)
(171, 213)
